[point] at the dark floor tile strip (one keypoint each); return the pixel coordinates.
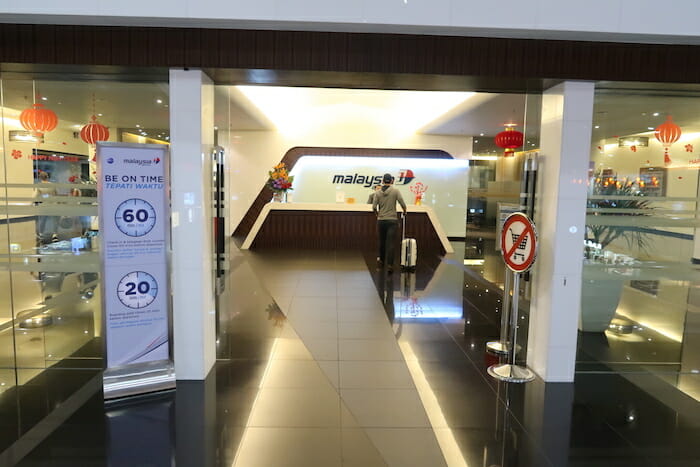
(39, 432)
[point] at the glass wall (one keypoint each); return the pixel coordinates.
(639, 305)
(495, 186)
(50, 305)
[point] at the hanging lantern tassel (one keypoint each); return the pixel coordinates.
(509, 139)
(667, 133)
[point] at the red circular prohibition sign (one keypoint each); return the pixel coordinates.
(519, 242)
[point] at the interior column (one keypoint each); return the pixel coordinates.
(560, 216)
(192, 139)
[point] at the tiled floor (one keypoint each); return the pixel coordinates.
(326, 361)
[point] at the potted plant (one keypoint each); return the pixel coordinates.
(610, 196)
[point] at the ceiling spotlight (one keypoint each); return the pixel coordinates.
(138, 126)
(481, 134)
(655, 114)
(99, 115)
(44, 98)
(596, 127)
(159, 101)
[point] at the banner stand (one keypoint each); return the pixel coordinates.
(138, 379)
(134, 214)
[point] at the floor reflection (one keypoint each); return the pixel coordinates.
(325, 360)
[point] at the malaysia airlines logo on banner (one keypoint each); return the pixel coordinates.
(404, 177)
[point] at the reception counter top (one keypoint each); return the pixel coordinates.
(328, 225)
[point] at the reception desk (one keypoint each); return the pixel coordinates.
(337, 226)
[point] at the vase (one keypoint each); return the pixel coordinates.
(279, 197)
(599, 301)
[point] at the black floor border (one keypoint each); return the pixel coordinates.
(39, 432)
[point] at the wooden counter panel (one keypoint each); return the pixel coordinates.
(337, 230)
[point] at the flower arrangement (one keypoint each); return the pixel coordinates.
(279, 179)
(418, 189)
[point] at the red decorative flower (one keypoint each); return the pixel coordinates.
(688, 148)
(16, 153)
(633, 148)
(73, 178)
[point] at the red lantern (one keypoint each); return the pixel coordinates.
(94, 132)
(667, 133)
(37, 119)
(509, 139)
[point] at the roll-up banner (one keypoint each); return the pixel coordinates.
(135, 229)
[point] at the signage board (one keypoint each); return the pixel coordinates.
(519, 242)
(322, 179)
(135, 231)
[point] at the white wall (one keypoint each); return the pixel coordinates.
(628, 20)
(250, 154)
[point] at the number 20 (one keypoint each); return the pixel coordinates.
(143, 287)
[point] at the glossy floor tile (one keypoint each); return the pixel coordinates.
(325, 360)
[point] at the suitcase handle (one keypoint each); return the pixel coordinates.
(403, 230)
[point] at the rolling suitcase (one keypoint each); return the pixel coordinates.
(408, 250)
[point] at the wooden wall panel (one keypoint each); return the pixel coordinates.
(347, 52)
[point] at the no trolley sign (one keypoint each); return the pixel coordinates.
(519, 242)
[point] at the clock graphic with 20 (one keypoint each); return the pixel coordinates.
(137, 289)
(135, 217)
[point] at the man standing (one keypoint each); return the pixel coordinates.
(384, 206)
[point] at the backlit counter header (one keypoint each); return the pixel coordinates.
(332, 179)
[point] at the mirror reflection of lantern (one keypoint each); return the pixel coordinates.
(667, 133)
(509, 139)
(94, 132)
(38, 119)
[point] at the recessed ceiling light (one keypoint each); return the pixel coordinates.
(44, 98)
(99, 115)
(656, 114)
(650, 128)
(481, 134)
(138, 126)
(159, 101)
(596, 127)
(476, 140)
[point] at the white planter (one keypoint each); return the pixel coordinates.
(599, 301)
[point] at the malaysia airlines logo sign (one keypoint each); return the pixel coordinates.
(404, 177)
